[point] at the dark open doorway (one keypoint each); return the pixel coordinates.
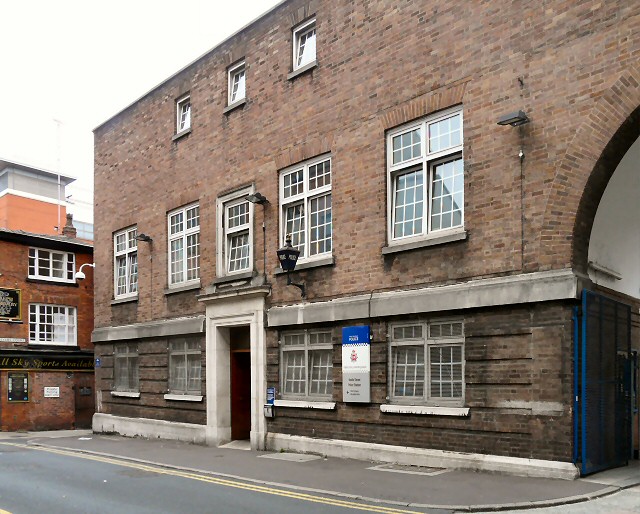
(240, 361)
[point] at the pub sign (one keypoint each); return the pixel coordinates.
(10, 304)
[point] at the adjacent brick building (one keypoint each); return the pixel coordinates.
(367, 133)
(46, 315)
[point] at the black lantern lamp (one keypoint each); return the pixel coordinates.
(288, 257)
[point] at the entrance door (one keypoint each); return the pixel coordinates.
(240, 394)
(602, 383)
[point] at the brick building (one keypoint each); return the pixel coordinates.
(46, 315)
(452, 177)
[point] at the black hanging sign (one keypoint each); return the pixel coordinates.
(10, 305)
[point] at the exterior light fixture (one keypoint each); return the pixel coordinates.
(288, 257)
(258, 198)
(144, 237)
(80, 274)
(514, 119)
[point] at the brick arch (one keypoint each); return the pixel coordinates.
(597, 147)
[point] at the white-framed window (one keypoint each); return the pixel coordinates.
(183, 114)
(52, 324)
(304, 44)
(125, 263)
(235, 233)
(185, 366)
(425, 177)
(237, 83)
(125, 367)
(426, 363)
(306, 364)
(51, 265)
(305, 201)
(184, 245)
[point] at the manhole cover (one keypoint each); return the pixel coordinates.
(411, 470)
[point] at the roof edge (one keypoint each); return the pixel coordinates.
(208, 52)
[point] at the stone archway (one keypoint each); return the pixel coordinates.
(581, 176)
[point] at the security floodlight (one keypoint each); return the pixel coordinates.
(258, 198)
(514, 119)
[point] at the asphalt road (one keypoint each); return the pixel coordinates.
(43, 480)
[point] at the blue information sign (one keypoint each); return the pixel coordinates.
(271, 395)
(355, 335)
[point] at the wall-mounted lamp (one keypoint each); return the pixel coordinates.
(80, 274)
(514, 119)
(144, 237)
(258, 198)
(288, 257)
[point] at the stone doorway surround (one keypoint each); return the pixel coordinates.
(224, 310)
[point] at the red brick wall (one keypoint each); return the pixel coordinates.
(41, 413)
(15, 268)
(572, 67)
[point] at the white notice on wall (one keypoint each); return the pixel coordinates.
(52, 392)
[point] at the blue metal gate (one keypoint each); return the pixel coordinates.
(602, 414)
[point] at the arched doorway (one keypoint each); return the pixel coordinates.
(608, 320)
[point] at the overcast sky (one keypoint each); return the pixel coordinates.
(82, 61)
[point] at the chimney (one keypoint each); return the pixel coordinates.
(69, 230)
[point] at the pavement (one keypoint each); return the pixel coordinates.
(409, 486)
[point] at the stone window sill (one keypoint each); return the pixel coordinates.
(302, 404)
(431, 240)
(232, 278)
(424, 410)
(182, 288)
(125, 394)
(234, 106)
(304, 69)
(183, 397)
(317, 263)
(179, 135)
(129, 299)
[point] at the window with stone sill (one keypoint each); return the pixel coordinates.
(184, 245)
(426, 364)
(235, 233)
(425, 178)
(306, 368)
(304, 44)
(125, 368)
(185, 367)
(306, 208)
(183, 114)
(125, 257)
(237, 82)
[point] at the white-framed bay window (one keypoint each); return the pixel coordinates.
(235, 233)
(306, 208)
(125, 263)
(426, 363)
(52, 325)
(236, 83)
(306, 365)
(304, 44)
(51, 265)
(425, 178)
(184, 245)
